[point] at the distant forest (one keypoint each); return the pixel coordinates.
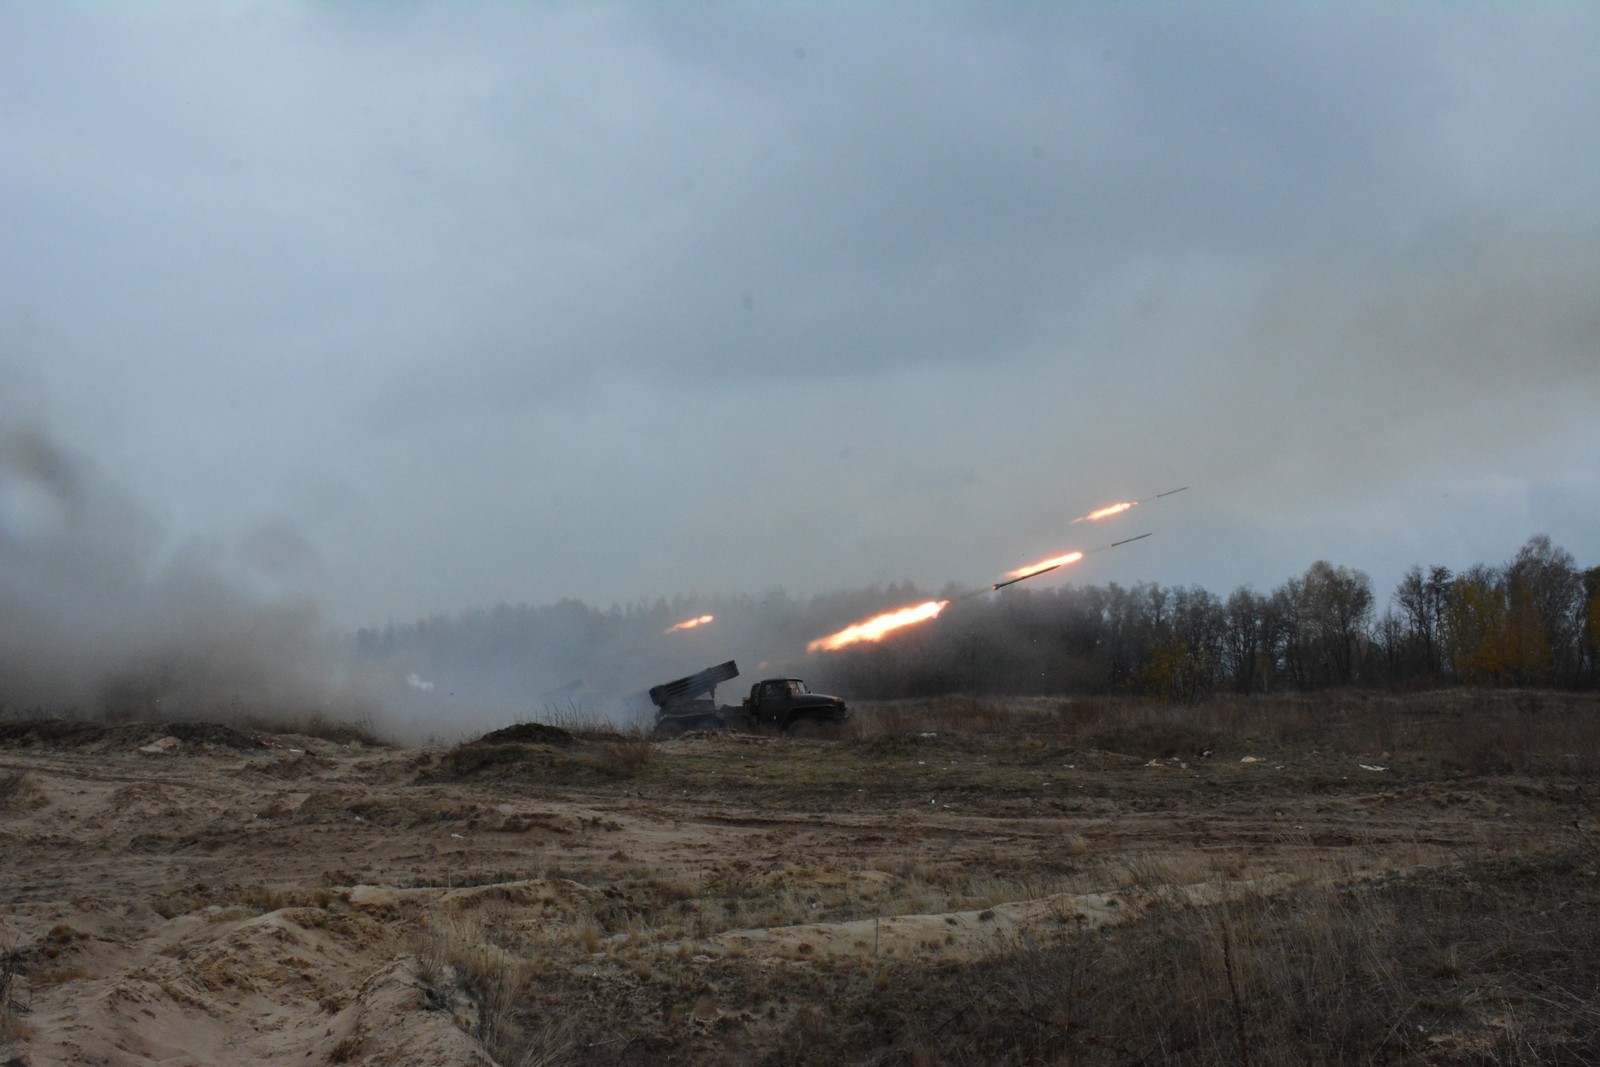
(1533, 621)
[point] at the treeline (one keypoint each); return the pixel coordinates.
(1533, 621)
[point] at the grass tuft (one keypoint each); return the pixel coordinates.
(19, 792)
(12, 1028)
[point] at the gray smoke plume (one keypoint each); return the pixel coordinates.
(99, 616)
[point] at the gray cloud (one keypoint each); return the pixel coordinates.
(432, 307)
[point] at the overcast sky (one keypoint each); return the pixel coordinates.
(417, 307)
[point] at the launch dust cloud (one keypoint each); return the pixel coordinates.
(99, 615)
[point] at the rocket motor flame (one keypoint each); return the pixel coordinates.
(879, 626)
(1107, 511)
(689, 624)
(1044, 565)
(1117, 509)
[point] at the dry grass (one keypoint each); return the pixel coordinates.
(1483, 962)
(1479, 965)
(19, 792)
(1489, 962)
(626, 757)
(452, 950)
(1487, 731)
(359, 730)
(225, 729)
(572, 753)
(463, 959)
(1259, 924)
(264, 898)
(251, 899)
(952, 714)
(12, 1027)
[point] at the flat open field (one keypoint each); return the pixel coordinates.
(1347, 878)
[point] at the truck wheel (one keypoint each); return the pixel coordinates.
(668, 728)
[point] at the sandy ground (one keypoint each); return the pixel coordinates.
(258, 900)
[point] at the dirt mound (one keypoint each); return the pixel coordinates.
(64, 733)
(527, 733)
(80, 733)
(596, 733)
(207, 733)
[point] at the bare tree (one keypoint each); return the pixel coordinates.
(1544, 579)
(1589, 640)
(1424, 600)
(1335, 606)
(1245, 659)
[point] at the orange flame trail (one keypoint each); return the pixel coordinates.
(1107, 511)
(1043, 565)
(1117, 509)
(689, 624)
(879, 626)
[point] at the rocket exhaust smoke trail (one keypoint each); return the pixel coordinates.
(689, 624)
(1117, 509)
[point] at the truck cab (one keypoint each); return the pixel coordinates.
(785, 702)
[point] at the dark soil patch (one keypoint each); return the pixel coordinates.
(198, 733)
(597, 734)
(527, 733)
(63, 733)
(79, 733)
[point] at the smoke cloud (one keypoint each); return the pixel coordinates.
(99, 615)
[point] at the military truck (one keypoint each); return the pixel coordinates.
(689, 703)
